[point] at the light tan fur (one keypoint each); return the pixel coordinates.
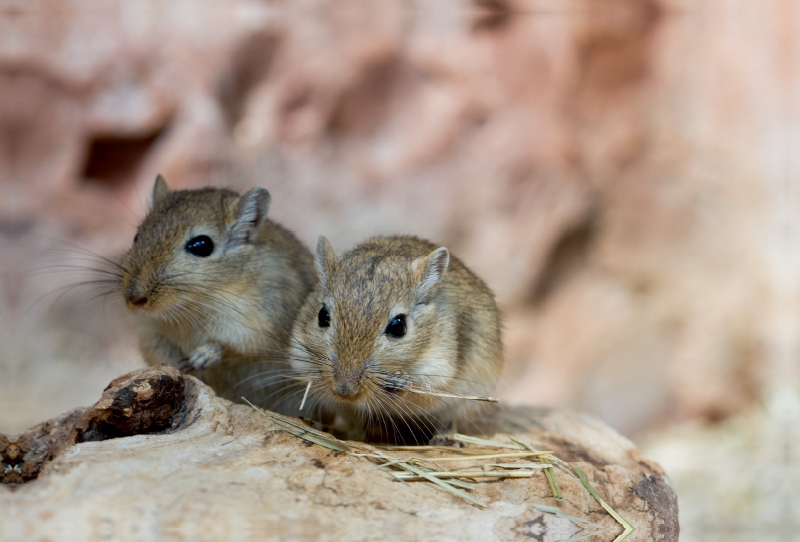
(361, 375)
(227, 316)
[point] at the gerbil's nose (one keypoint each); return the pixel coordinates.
(346, 382)
(345, 389)
(134, 296)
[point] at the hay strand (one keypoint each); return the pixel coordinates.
(451, 481)
(628, 529)
(305, 396)
(466, 474)
(451, 395)
(483, 442)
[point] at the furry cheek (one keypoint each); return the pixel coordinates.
(435, 365)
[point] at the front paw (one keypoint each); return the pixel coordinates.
(446, 440)
(201, 358)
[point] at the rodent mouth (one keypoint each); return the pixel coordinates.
(150, 309)
(352, 399)
(141, 307)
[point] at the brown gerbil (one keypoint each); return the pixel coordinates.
(215, 286)
(392, 328)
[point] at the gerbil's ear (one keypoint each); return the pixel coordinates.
(430, 269)
(323, 259)
(160, 189)
(250, 214)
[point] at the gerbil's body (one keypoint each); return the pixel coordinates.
(391, 325)
(215, 286)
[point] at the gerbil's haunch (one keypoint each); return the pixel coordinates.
(215, 287)
(388, 323)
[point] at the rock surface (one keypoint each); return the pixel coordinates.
(214, 470)
(144, 402)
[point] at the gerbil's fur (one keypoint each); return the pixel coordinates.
(362, 375)
(227, 314)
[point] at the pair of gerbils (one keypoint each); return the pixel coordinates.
(392, 341)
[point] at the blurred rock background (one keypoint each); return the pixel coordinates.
(622, 174)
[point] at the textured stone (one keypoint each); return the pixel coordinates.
(222, 471)
(147, 401)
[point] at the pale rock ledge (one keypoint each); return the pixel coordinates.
(161, 457)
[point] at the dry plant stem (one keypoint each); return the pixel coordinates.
(466, 474)
(452, 395)
(322, 439)
(450, 449)
(628, 529)
(577, 521)
(418, 473)
(486, 456)
(306, 433)
(305, 396)
(483, 442)
(552, 480)
(557, 463)
(427, 475)
(520, 465)
(588, 528)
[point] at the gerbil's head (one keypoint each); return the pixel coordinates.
(373, 329)
(189, 242)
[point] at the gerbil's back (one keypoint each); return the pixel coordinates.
(283, 242)
(413, 247)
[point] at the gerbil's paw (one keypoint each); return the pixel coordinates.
(203, 357)
(446, 440)
(183, 365)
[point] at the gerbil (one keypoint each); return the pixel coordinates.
(388, 321)
(215, 286)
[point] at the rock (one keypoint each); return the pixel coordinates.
(143, 402)
(168, 459)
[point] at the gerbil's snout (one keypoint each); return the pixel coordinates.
(138, 301)
(347, 383)
(345, 388)
(135, 296)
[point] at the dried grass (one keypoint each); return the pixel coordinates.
(628, 529)
(413, 469)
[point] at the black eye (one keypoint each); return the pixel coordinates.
(324, 317)
(397, 327)
(202, 246)
(136, 238)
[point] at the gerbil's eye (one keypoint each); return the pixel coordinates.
(202, 246)
(324, 317)
(397, 327)
(136, 238)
